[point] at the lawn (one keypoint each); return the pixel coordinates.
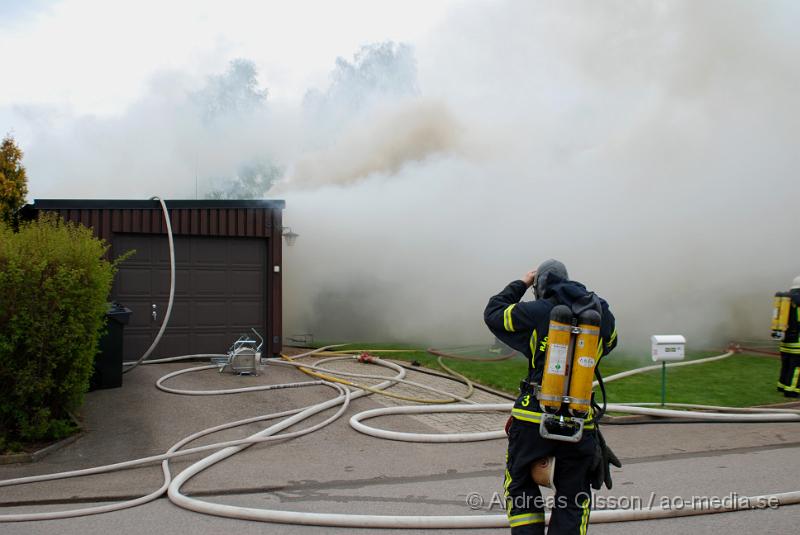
(741, 380)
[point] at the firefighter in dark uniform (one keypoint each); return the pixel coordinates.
(789, 381)
(578, 466)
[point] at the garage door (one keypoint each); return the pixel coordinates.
(220, 292)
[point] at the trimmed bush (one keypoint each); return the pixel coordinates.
(54, 283)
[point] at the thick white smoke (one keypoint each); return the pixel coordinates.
(649, 145)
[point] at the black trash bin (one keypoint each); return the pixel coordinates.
(108, 361)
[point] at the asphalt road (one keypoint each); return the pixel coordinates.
(339, 470)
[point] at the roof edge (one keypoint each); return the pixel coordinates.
(85, 204)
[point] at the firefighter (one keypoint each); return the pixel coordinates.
(523, 325)
(789, 381)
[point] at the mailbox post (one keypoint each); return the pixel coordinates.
(667, 347)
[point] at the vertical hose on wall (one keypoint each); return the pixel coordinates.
(165, 321)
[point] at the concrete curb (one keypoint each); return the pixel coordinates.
(14, 458)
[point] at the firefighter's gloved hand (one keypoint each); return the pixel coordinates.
(600, 471)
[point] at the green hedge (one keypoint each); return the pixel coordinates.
(54, 286)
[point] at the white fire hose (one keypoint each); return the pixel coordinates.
(173, 486)
(168, 313)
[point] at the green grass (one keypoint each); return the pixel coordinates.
(738, 381)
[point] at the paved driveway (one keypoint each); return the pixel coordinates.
(339, 470)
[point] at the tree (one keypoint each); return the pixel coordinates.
(13, 180)
(236, 92)
(251, 182)
(378, 70)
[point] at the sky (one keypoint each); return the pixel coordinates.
(96, 57)
(648, 144)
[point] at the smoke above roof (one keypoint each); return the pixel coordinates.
(649, 145)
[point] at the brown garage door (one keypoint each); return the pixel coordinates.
(220, 292)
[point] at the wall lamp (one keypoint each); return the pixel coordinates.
(289, 236)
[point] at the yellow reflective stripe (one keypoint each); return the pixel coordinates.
(795, 377)
(508, 323)
(525, 519)
(534, 342)
(792, 389)
(790, 344)
(585, 517)
(528, 416)
(536, 417)
(506, 484)
(613, 337)
(599, 348)
(781, 385)
(790, 350)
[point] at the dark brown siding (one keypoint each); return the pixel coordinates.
(243, 222)
(250, 219)
(275, 281)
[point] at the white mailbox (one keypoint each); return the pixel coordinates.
(668, 347)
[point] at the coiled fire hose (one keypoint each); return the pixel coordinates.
(342, 400)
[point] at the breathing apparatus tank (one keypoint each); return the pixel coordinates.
(568, 372)
(780, 314)
(583, 363)
(554, 378)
